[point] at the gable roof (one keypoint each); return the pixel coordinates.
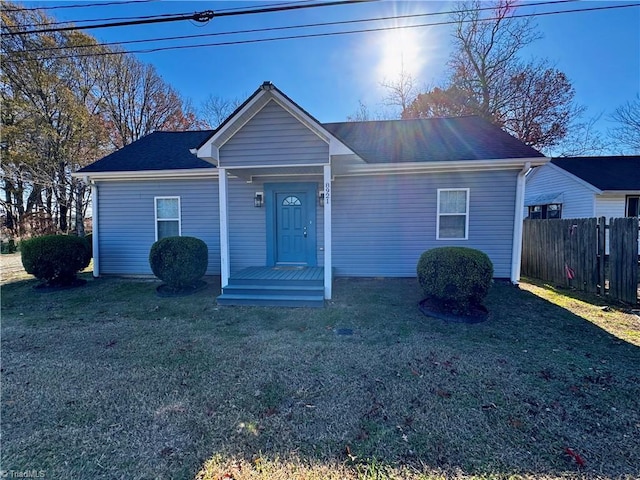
(604, 173)
(375, 142)
(430, 140)
(156, 151)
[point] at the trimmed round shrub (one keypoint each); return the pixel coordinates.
(55, 258)
(180, 262)
(459, 277)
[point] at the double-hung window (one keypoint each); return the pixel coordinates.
(168, 222)
(453, 214)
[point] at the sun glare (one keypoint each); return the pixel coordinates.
(401, 50)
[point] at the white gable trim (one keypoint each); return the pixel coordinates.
(209, 150)
(576, 178)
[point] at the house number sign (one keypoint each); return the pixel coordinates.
(327, 193)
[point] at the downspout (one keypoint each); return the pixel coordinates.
(516, 251)
(94, 230)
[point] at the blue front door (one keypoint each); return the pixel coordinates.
(292, 228)
(291, 213)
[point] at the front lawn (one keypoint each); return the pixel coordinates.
(111, 381)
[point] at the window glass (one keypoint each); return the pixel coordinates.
(168, 217)
(452, 226)
(453, 201)
(633, 206)
(168, 208)
(289, 201)
(168, 228)
(453, 214)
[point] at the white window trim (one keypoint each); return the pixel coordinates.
(466, 214)
(155, 214)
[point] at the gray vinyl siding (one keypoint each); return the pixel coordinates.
(273, 137)
(126, 221)
(382, 224)
(578, 200)
(247, 226)
(611, 205)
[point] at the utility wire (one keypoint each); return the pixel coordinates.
(204, 16)
(83, 5)
(72, 22)
(329, 34)
(287, 27)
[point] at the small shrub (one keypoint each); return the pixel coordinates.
(459, 277)
(55, 258)
(179, 261)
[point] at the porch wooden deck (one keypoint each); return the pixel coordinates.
(286, 286)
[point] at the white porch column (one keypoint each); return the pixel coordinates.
(224, 227)
(328, 273)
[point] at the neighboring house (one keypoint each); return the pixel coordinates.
(584, 187)
(277, 195)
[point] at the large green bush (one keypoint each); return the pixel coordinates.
(459, 277)
(179, 261)
(55, 258)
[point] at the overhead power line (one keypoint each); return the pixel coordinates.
(330, 34)
(82, 5)
(288, 27)
(203, 16)
(139, 17)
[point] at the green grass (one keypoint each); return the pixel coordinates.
(111, 381)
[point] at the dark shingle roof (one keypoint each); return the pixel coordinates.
(429, 140)
(605, 173)
(424, 140)
(156, 151)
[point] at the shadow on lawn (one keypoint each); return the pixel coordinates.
(115, 382)
(536, 392)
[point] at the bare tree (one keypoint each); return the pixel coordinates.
(486, 51)
(583, 139)
(400, 92)
(215, 109)
(531, 100)
(627, 131)
(138, 101)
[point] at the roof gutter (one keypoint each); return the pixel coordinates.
(440, 166)
(149, 174)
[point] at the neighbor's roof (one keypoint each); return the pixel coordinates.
(156, 151)
(605, 173)
(429, 140)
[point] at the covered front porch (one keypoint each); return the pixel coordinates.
(283, 286)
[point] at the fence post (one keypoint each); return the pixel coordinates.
(602, 251)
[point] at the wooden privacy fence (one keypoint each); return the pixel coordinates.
(578, 253)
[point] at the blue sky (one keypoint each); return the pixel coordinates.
(328, 76)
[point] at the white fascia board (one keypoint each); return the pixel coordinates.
(446, 166)
(149, 174)
(208, 153)
(620, 192)
(575, 178)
